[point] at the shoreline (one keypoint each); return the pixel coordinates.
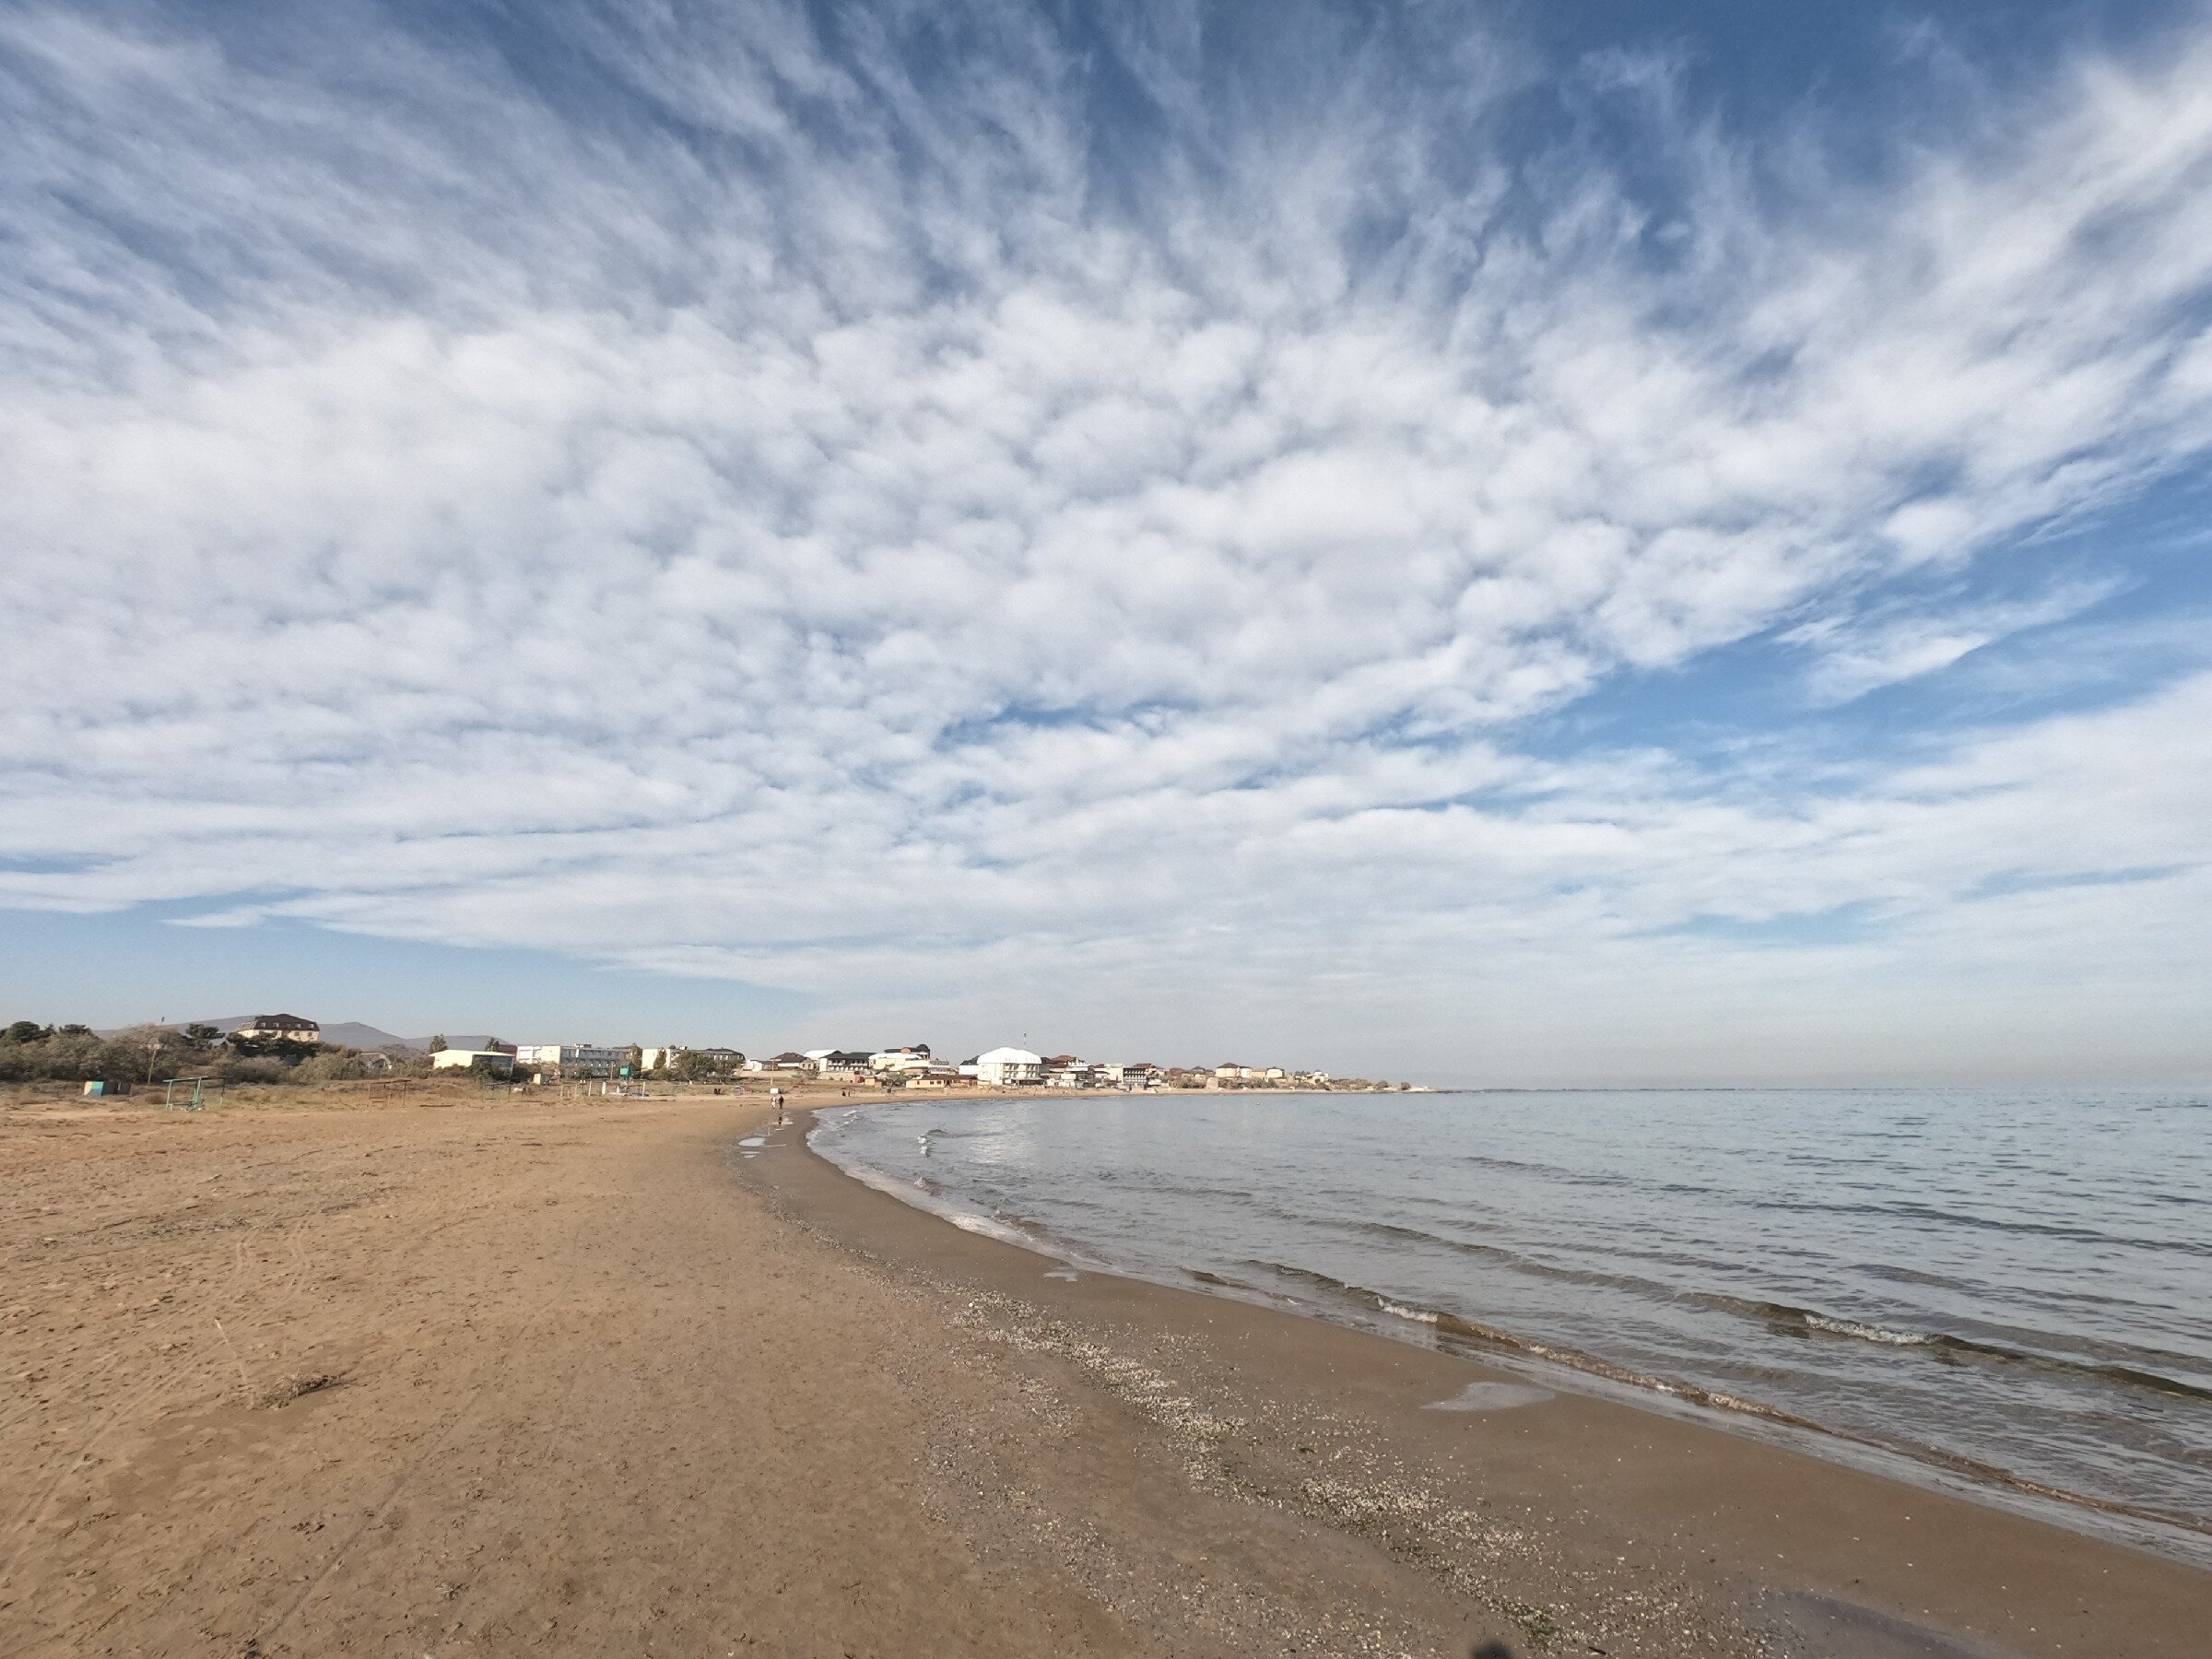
(1980, 1605)
(1925, 1467)
(454, 1375)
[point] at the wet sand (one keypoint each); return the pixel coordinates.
(583, 1378)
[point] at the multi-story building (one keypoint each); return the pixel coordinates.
(1003, 1066)
(577, 1059)
(279, 1027)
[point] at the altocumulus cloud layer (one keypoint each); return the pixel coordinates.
(1160, 528)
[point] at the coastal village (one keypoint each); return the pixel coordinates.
(267, 1048)
(908, 1065)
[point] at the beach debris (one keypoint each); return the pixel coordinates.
(284, 1390)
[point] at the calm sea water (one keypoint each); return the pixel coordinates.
(2004, 1289)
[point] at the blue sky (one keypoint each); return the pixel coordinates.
(1640, 543)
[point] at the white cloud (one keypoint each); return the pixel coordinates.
(1858, 656)
(808, 533)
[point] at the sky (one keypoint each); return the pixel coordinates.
(1533, 544)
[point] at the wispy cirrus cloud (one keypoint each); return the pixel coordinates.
(1853, 655)
(937, 508)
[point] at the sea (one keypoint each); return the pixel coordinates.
(2007, 1292)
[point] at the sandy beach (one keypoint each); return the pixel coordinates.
(584, 1377)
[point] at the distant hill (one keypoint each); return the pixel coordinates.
(350, 1032)
(354, 1034)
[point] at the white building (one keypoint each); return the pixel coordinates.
(664, 1059)
(1008, 1065)
(900, 1061)
(586, 1059)
(491, 1060)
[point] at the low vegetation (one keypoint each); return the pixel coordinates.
(31, 1052)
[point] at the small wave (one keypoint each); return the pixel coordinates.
(1940, 1344)
(1946, 1346)
(2152, 1380)
(1867, 1333)
(2000, 1224)
(1418, 1316)
(988, 1228)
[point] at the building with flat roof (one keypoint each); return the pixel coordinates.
(1003, 1066)
(499, 1061)
(578, 1059)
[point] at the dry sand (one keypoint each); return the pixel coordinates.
(583, 1378)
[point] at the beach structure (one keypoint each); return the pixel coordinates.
(1004, 1066)
(279, 1027)
(839, 1063)
(196, 1099)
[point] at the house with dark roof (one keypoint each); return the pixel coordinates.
(279, 1028)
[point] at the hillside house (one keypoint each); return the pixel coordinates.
(279, 1027)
